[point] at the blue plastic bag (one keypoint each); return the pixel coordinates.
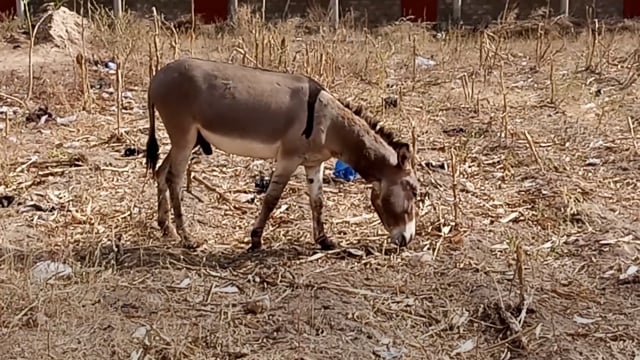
(343, 171)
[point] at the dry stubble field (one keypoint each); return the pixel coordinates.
(527, 252)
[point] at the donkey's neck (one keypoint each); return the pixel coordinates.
(353, 142)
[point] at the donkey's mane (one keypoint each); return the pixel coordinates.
(387, 135)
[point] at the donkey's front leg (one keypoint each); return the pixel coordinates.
(280, 178)
(314, 181)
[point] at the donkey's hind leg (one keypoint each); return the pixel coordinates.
(164, 214)
(314, 182)
(179, 160)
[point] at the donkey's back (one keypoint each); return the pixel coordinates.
(238, 109)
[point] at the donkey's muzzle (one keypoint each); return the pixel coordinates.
(401, 239)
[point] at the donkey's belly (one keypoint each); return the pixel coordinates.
(241, 147)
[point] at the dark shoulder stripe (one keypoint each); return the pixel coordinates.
(314, 92)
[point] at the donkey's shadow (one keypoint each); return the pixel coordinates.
(132, 257)
(149, 257)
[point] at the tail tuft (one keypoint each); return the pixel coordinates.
(152, 143)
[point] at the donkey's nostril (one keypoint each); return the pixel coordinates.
(402, 240)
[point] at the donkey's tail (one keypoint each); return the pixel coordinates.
(152, 142)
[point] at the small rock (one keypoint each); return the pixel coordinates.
(46, 270)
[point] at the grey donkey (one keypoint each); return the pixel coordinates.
(265, 114)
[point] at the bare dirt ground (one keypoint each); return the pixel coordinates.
(529, 251)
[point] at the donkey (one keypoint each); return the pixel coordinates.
(272, 115)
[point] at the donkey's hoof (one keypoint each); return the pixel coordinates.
(255, 246)
(325, 243)
(188, 243)
(169, 232)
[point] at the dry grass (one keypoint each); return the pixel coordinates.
(527, 157)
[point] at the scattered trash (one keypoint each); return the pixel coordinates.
(137, 354)
(510, 217)
(343, 171)
(46, 270)
(454, 131)
(262, 184)
(102, 84)
(8, 110)
(389, 352)
(355, 252)
(598, 92)
(31, 206)
(141, 332)
(258, 305)
(185, 283)
(66, 120)
(111, 65)
(632, 270)
(6, 200)
(593, 162)
(589, 106)
(440, 27)
(624, 239)
(390, 102)
(132, 151)
(435, 165)
(459, 318)
(464, 347)
(231, 289)
(40, 115)
(245, 198)
(418, 257)
(583, 321)
(426, 62)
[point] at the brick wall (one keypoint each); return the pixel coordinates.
(379, 11)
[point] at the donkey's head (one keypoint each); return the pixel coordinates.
(395, 189)
(393, 198)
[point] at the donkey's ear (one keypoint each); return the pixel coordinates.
(404, 156)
